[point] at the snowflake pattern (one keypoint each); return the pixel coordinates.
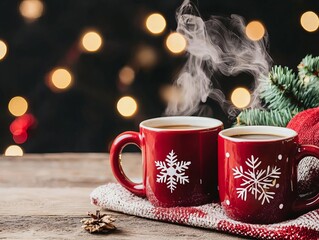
(172, 171)
(257, 182)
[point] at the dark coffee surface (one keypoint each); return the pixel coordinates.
(258, 136)
(180, 126)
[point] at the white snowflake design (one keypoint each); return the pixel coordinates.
(172, 171)
(256, 182)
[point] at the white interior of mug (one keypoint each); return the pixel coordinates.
(198, 122)
(283, 133)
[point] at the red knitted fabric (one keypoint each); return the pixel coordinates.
(306, 123)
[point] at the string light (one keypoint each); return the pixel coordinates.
(18, 106)
(61, 79)
(31, 9)
(240, 97)
(3, 49)
(127, 106)
(91, 41)
(255, 30)
(155, 23)
(176, 43)
(309, 21)
(126, 75)
(14, 151)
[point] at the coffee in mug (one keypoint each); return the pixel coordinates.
(179, 156)
(257, 173)
(257, 136)
(180, 127)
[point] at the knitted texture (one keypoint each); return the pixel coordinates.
(306, 124)
(211, 216)
(308, 175)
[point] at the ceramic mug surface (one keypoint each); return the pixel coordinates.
(257, 173)
(179, 158)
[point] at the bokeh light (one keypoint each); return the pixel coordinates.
(31, 9)
(126, 75)
(61, 79)
(176, 43)
(309, 21)
(169, 93)
(18, 106)
(13, 151)
(20, 126)
(146, 56)
(22, 123)
(255, 30)
(155, 23)
(127, 106)
(20, 138)
(240, 97)
(3, 49)
(91, 41)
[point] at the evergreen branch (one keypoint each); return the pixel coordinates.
(311, 93)
(262, 117)
(309, 68)
(285, 94)
(309, 74)
(282, 89)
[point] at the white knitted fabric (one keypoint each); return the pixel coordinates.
(211, 216)
(308, 175)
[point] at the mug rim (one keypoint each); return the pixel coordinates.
(286, 133)
(209, 123)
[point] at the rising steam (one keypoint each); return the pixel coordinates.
(216, 45)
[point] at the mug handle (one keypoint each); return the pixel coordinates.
(119, 143)
(310, 203)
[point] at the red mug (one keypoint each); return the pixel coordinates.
(179, 159)
(257, 174)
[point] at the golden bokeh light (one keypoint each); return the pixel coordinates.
(127, 106)
(126, 75)
(309, 21)
(155, 23)
(3, 49)
(146, 57)
(240, 97)
(31, 9)
(169, 93)
(255, 30)
(176, 43)
(13, 151)
(91, 41)
(61, 79)
(18, 106)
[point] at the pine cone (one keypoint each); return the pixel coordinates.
(98, 223)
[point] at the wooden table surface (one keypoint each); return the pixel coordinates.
(44, 196)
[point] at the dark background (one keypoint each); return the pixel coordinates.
(85, 118)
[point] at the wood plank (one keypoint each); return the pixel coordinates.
(55, 213)
(44, 196)
(45, 201)
(64, 170)
(128, 227)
